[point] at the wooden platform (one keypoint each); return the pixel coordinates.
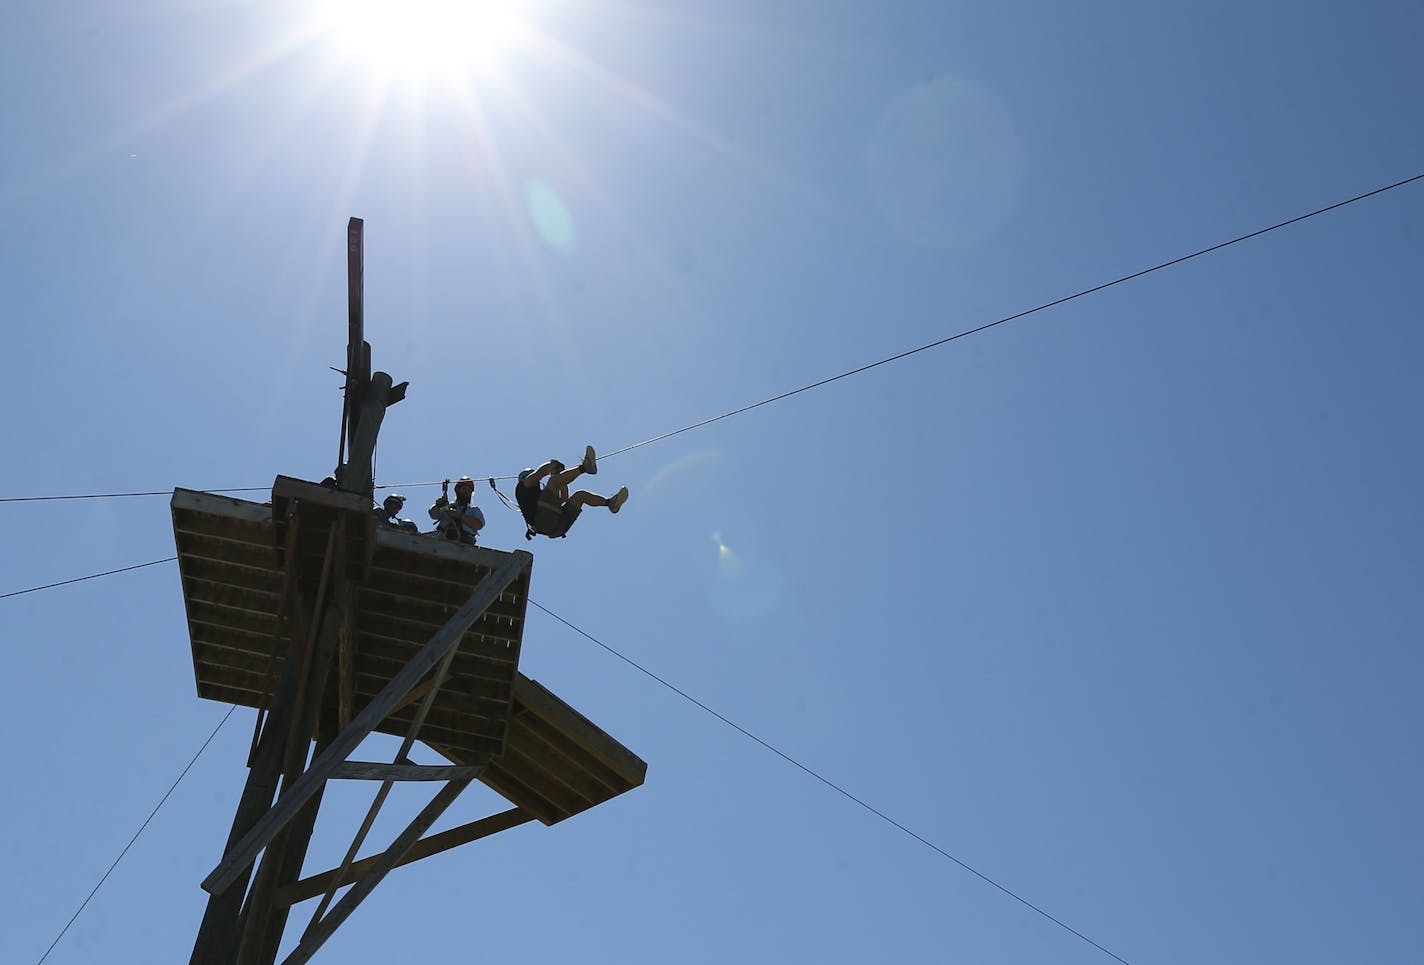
(557, 762)
(544, 756)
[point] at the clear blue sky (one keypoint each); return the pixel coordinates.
(1119, 603)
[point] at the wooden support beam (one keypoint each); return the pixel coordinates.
(436, 679)
(355, 330)
(318, 933)
(346, 682)
(263, 920)
(218, 935)
(373, 771)
(424, 848)
(264, 915)
(240, 856)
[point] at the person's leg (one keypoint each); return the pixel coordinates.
(585, 498)
(562, 479)
(533, 479)
(559, 484)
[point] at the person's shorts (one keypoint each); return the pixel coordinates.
(554, 518)
(545, 514)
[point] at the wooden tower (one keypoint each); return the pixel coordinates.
(333, 627)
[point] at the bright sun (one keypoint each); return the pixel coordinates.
(424, 37)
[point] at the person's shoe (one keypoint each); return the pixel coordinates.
(619, 498)
(589, 464)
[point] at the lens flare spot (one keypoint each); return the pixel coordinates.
(550, 215)
(748, 588)
(728, 562)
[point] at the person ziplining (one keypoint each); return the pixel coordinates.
(551, 510)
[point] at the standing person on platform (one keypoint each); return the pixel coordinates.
(458, 520)
(388, 513)
(551, 510)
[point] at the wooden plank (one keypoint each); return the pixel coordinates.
(535, 735)
(243, 510)
(245, 555)
(552, 759)
(423, 546)
(526, 797)
(496, 642)
(220, 534)
(424, 848)
(401, 611)
(376, 659)
(471, 730)
(471, 749)
(444, 590)
(579, 729)
(546, 783)
(246, 850)
(374, 771)
(232, 598)
(257, 594)
(230, 618)
(483, 714)
(413, 609)
(317, 935)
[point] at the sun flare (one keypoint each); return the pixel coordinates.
(420, 38)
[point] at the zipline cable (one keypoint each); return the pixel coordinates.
(156, 492)
(863, 368)
(81, 579)
(828, 783)
(141, 827)
(1009, 318)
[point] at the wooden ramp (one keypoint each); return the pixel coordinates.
(543, 755)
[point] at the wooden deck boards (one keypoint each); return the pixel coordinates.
(542, 754)
(228, 556)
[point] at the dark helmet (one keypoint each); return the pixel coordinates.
(400, 500)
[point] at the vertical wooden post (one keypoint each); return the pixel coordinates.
(265, 916)
(358, 368)
(281, 751)
(218, 934)
(264, 920)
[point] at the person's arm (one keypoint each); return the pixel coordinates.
(474, 518)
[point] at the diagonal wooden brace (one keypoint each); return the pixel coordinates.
(433, 844)
(245, 851)
(372, 771)
(318, 933)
